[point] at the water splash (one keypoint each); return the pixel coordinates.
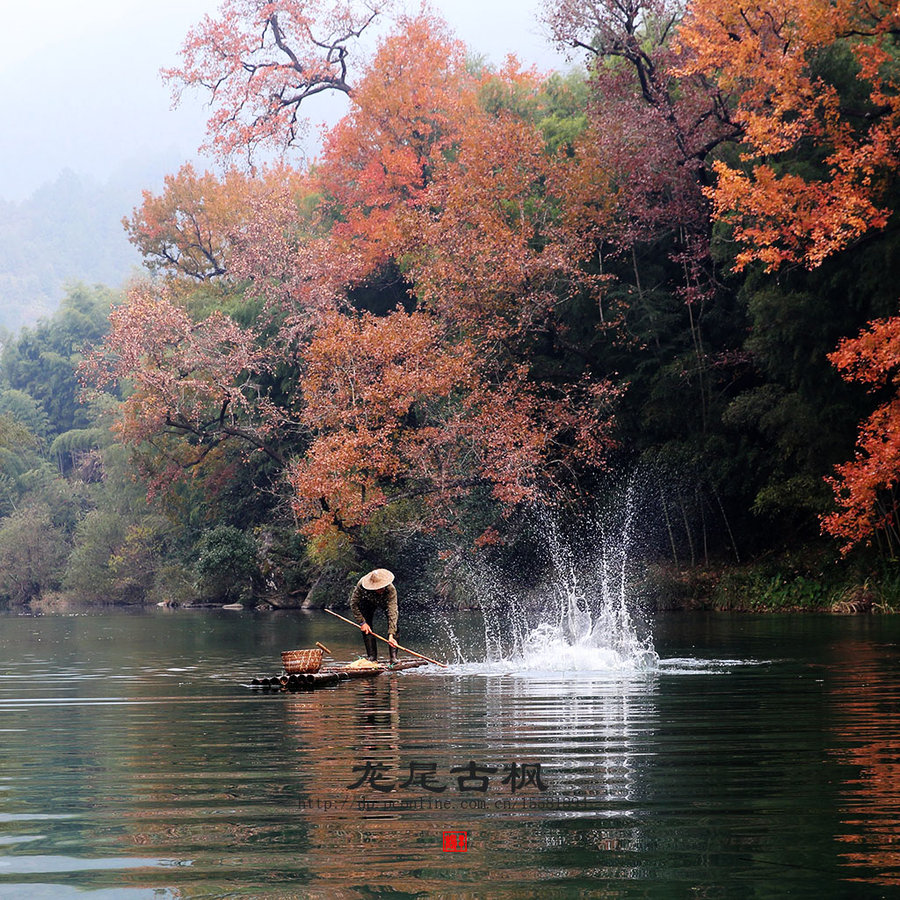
(582, 618)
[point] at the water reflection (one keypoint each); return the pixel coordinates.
(865, 712)
(736, 761)
(384, 767)
(38, 891)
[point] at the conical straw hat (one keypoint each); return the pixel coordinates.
(377, 579)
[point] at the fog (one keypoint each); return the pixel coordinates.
(80, 87)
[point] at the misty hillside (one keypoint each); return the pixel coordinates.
(68, 230)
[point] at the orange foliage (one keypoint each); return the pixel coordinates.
(192, 227)
(397, 410)
(488, 252)
(469, 204)
(761, 54)
(865, 488)
(378, 394)
(404, 117)
(467, 201)
(425, 405)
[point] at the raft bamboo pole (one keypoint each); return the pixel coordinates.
(380, 638)
(325, 677)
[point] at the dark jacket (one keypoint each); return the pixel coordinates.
(363, 601)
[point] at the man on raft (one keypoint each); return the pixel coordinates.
(372, 592)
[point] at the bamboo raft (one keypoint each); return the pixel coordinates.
(308, 681)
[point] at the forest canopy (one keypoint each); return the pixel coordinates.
(495, 288)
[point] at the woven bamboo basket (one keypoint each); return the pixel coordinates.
(299, 662)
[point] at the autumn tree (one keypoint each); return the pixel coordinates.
(814, 89)
(404, 117)
(652, 134)
(260, 61)
(465, 199)
(418, 406)
(653, 130)
(656, 124)
(401, 411)
(193, 379)
(867, 489)
(191, 228)
(773, 59)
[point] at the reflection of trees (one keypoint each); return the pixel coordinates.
(866, 720)
(318, 722)
(335, 731)
(121, 740)
(348, 846)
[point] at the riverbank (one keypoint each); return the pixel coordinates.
(809, 580)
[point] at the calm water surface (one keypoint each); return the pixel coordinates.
(760, 758)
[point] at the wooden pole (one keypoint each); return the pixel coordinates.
(380, 638)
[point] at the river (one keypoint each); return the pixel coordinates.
(756, 756)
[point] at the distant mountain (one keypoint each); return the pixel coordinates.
(68, 230)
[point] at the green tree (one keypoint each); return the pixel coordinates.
(227, 564)
(32, 552)
(42, 361)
